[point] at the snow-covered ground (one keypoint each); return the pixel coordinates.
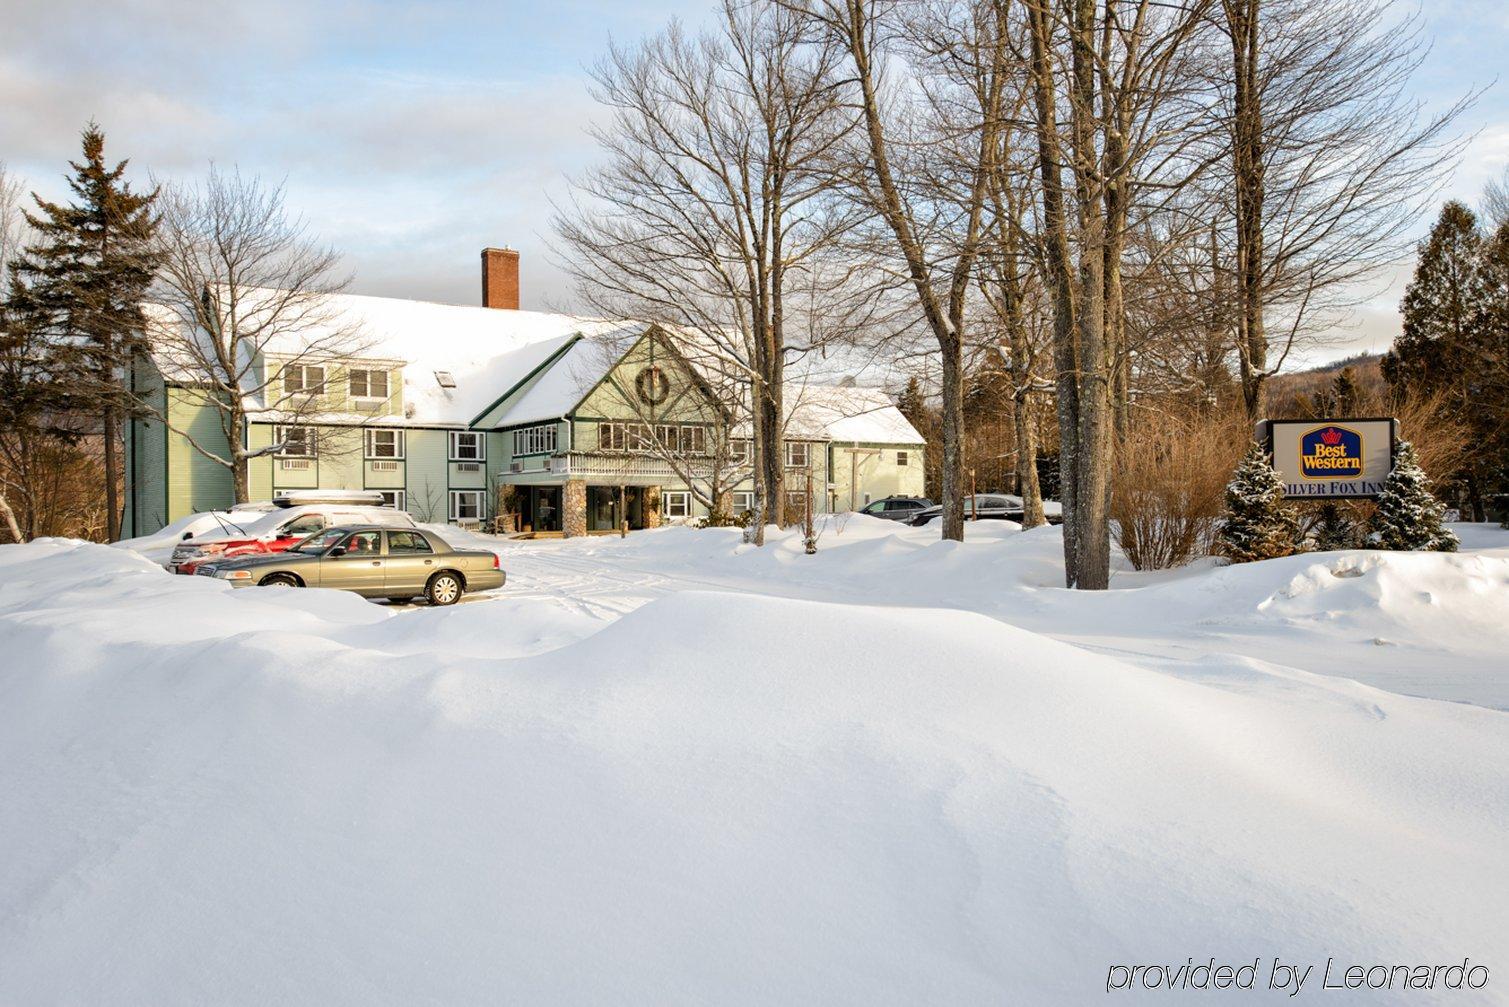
(675, 769)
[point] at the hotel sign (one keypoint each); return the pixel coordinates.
(1330, 458)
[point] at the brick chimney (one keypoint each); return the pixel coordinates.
(500, 278)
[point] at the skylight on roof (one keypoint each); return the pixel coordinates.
(446, 379)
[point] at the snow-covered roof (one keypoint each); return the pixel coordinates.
(847, 413)
(557, 391)
(482, 351)
(458, 361)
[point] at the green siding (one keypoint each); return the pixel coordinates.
(195, 483)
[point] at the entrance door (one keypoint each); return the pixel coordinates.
(546, 507)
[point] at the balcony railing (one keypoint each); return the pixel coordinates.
(619, 468)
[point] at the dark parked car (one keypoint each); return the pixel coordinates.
(991, 507)
(896, 508)
(376, 561)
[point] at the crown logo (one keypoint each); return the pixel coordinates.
(1331, 437)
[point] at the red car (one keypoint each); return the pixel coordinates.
(279, 530)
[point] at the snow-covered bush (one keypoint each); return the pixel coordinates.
(1408, 515)
(1257, 524)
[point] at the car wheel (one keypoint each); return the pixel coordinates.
(279, 580)
(443, 589)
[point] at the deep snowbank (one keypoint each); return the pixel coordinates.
(1424, 624)
(251, 796)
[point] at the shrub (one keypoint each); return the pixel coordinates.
(1408, 515)
(1170, 476)
(1256, 525)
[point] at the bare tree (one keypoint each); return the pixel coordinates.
(1330, 162)
(242, 284)
(1496, 200)
(709, 212)
(922, 164)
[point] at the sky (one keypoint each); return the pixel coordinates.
(412, 135)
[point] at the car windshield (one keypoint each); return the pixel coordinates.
(320, 541)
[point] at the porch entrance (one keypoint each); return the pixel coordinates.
(603, 512)
(540, 508)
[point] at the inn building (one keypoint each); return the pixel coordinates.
(548, 423)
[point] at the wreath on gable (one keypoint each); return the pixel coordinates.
(652, 385)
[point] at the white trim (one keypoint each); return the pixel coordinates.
(538, 439)
(453, 442)
(455, 500)
(748, 501)
(683, 502)
(397, 499)
(370, 439)
(311, 440)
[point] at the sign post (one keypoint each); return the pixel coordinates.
(1331, 459)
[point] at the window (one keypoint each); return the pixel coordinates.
(298, 442)
(362, 543)
(368, 384)
(397, 499)
(738, 452)
(466, 505)
(303, 379)
(694, 440)
(669, 438)
(535, 440)
(304, 524)
(796, 455)
(467, 446)
(901, 458)
(407, 542)
(743, 501)
(677, 503)
(384, 443)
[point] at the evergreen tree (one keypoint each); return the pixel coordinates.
(1335, 529)
(1256, 525)
(1408, 516)
(86, 275)
(911, 405)
(1345, 393)
(1440, 348)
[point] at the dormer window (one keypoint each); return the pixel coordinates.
(303, 379)
(445, 379)
(368, 384)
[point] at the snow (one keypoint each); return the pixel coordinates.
(847, 413)
(560, 388)
(486, 350)
(676, 769)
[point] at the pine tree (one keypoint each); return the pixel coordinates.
(1408, 515)
(1257, 525)
(87, 274)
(910, 403)
(1440, 348)
(1345, 393)
(1335, 529)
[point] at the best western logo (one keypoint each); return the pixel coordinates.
(1330, 452)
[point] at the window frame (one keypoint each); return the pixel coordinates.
(455, 499)
(739, 450)
(790, 452)
(903, 459)
(685, 498)
(453, 442)
(400, 499)
(368, 395)
(305, 389)
(734, 500)
(369, 450)
(311, 440)
(537, 439)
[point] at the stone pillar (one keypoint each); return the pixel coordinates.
(574, 508)
(652, 506)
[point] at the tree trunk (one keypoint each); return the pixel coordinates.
(1247, 175)
(953, 437)
(240, 481)
(1026, 463)
(111, 423)
(10, 520)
